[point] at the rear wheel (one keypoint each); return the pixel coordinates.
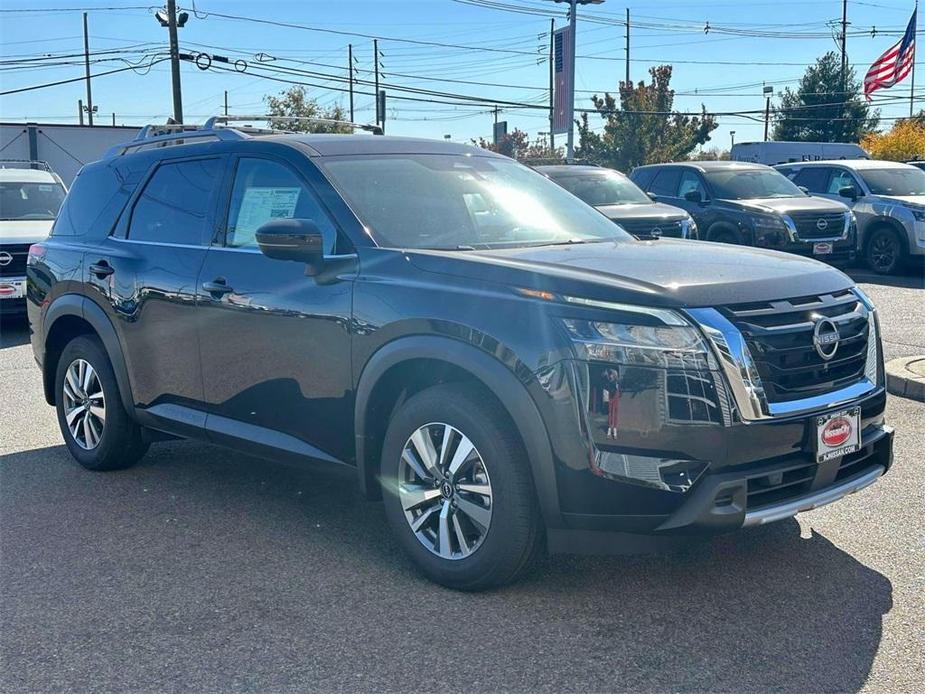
(884, 253)
(457, 488)
(96, 428)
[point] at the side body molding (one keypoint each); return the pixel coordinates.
(81, 307)
(494, 375)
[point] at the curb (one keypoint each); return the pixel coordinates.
(906, 377)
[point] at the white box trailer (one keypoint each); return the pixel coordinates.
(772, 153)
(65, 147)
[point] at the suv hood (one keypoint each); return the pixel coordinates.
(667, 272)
(24, 231)
(654, 211)
(787, 205)
(914, 200)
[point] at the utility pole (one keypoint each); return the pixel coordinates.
(496, 114)
(552, 79)
(80, 111)
(376, 61)
(350, 75)
(87, 72)
(627, 45)
(174, 60)
(844, 50)
(732, 138)
(768, 91)
(114, 120)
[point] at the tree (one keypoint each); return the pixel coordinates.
(904, 142)
(512, 144)
(824, 107)
(711, 154)
(643, 129)
(296, 103)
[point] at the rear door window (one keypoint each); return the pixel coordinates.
(666, 182)
(176, 204)
(813, 178)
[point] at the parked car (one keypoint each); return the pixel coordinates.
(888, 199)
(779, 152)
(505, 368)
(622, 201)
(30, 195)
(753, 205)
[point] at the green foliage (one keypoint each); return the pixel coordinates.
(296, 103)
(643, 129)
(822, 109)
(517, 145)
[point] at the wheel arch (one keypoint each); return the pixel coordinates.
(69, 316)
(380, 390)
(883, 222)
(722, 227)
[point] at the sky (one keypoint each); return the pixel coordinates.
(495, 53)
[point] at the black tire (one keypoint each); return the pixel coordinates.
(515, 535)
(726, 236)
(120, 443)
(884, 252)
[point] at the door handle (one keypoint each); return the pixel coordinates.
(217, 287)
(101, 269)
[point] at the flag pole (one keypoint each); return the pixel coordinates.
(912, 84)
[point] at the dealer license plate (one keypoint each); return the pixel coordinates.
(822, 248)
(838, 434)
(12, 289)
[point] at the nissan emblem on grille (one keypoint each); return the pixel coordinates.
(5, 259)
(822, 224)
(825, 338)
(656, 231)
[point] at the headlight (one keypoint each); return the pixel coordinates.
(872, 368)
(688, 228)
(763, 222)
(663, 346)
(917, 212)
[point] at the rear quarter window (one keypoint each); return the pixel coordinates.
(95, 201)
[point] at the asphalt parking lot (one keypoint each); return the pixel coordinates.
(201, 569)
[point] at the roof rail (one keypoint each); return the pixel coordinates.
(25, 164)
(216, 121)
(217, 128)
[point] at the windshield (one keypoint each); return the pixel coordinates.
(30, 201)
(749, 184)
(604, 188)
(462, 202)
(897, 181)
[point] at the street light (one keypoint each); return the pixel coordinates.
(570, 147)
(732, 137)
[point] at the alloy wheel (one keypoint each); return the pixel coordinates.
(84, 404)
(883, 251)
(445, 491)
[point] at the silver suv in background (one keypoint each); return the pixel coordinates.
(30, 195)
(888, 199)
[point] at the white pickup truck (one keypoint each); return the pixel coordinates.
(30, 195)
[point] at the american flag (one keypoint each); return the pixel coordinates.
(562, 94)
(893, 66)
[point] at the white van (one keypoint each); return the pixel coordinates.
(772, 153)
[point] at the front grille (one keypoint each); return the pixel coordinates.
(16, 267)
(779, 335)
(807, 224)
(644, 227)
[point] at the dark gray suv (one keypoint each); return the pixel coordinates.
(505, 368)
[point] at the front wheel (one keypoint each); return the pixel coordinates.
(97, 430)
(884, 251)
(457, 488)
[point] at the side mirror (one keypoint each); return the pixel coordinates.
(804, 189)
(849, 192)
(653, 197)
(693, 196)
(292, 239)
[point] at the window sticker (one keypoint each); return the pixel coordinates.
(260, 205)
(46, 188)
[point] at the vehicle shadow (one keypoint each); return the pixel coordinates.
(14, 331)
(912, 278)
(210, 566)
